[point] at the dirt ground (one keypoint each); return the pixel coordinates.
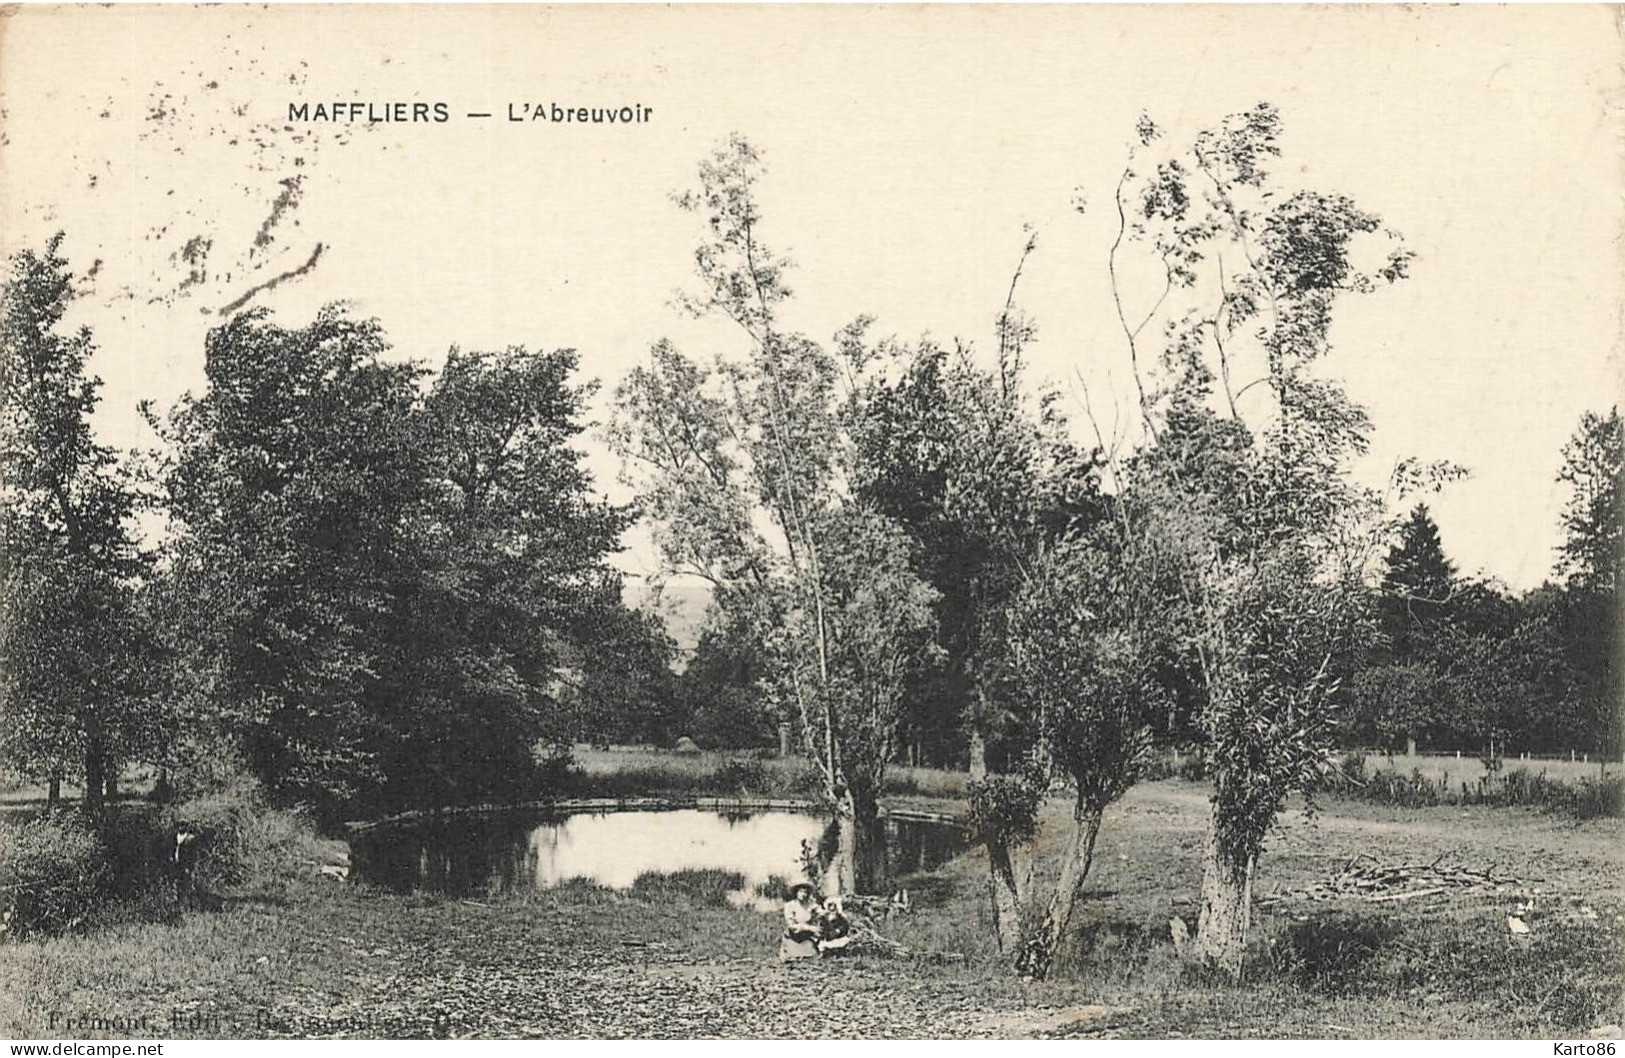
(320, 958)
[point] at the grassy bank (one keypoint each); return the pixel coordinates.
(637, 772)
(671, 958)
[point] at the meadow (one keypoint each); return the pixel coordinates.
(295, 953)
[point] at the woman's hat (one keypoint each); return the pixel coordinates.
(799, 887)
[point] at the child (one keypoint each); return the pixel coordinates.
(836, 930)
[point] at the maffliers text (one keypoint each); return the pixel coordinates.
(369, 112)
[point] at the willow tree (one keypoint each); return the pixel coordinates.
(1243, 477)
(744, 475)
(1082, 648)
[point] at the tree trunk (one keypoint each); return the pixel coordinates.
(1040, 949)
(1227, 903)
(95, 779)
(840, 877)
(870, 871)
(784, 740)
(978, 745)
(53, 791)
(112, 781)
(1006, 896)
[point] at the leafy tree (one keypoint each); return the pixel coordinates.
(1511, 689)
(1251, 505)
(719, 690)
(1083, 653)
(512, 631)
(73, 657)
(745, 475)
(952, 452)
(1397, 701)
(1591, 553)
(1417, 584)
(291, 482)
(621, 672)
(384, 584)
(1393, 686)
(1590, 559)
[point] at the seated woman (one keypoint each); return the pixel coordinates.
(836, 931)
(801, 931)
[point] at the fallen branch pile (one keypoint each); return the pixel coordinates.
(868, 913)
(1364, 878)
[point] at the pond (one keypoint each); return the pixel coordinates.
(469, 855)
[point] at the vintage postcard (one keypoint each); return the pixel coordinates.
(815, 522)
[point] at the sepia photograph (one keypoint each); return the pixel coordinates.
(811, 522)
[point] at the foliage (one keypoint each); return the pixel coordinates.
(1251, 510)
(53, 874)
(1418, 583)
(224, 827)
(980, 482)
(1590, 558)
(1083, 655)
(376, 587)
(74, 650)
(625, 690)
(745, 481)
(509, 602)
(1591, 553)
(645, 775)
(1085, 658)
(1395, 701)
(1581, 796)
(718, 697)
(1462, 662)
(1004, 806)
(291, 479)
(697, 887)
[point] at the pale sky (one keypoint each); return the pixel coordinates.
(907, 148)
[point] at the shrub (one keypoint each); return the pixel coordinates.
(214, 828)
(1158, 764)
(740, 776)
(238, 840)
(699, 887)
(53, 875)
(1332, 955)
(139, 841)
(1596, 798)
(803, 781)
(1584, 798)
(1564, 976)
(776, 888)
(1193, 766)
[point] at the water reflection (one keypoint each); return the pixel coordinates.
(471, 855)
